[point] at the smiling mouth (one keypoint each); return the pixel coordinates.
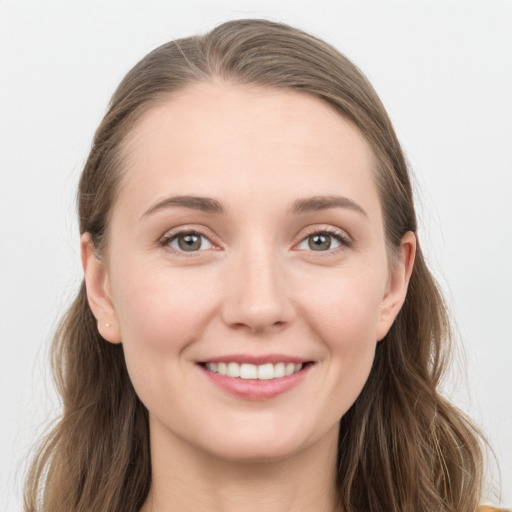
(247, 371)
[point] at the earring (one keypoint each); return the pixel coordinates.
(107, 325)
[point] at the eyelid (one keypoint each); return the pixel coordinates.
(345, 239)
(173, 233)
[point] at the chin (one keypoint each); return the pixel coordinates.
(264, 445)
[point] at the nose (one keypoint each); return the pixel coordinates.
(257, 295)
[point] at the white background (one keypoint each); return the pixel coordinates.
(443, 70)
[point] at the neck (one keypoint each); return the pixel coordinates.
(186, 479)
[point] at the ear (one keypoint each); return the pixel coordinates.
(98, 291)
(398, 283)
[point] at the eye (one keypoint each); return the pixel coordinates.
(188, 242)
(322, 241)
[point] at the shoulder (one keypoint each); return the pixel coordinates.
(486, 508)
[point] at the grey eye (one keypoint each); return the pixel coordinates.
(320, 242)
(190, 242)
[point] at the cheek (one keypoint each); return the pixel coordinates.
(346, 307)
(160, 314)
(345, 317)
(349, 329)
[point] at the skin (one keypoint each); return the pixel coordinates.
(255, 287)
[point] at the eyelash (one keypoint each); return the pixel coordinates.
(344, 240)
(168, 239)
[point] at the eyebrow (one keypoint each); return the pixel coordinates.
(210, 205)
(204, 204)
(318, 203)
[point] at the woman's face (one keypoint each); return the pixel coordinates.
(247, 237)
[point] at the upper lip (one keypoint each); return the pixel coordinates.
(255, 359)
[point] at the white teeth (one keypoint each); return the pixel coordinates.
(289, 368)
(278, 370)
(266, 371)
(251, 371)
(233, 370)
(248, 371)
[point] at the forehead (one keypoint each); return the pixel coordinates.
(215, 138)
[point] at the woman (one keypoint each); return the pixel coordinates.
(257, 329)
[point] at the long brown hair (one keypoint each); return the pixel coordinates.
(402, 447)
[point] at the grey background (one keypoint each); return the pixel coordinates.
(443, 70)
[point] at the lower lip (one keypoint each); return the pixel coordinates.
(256, 389)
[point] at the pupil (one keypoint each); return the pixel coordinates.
(319, 242)
(189, 242)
